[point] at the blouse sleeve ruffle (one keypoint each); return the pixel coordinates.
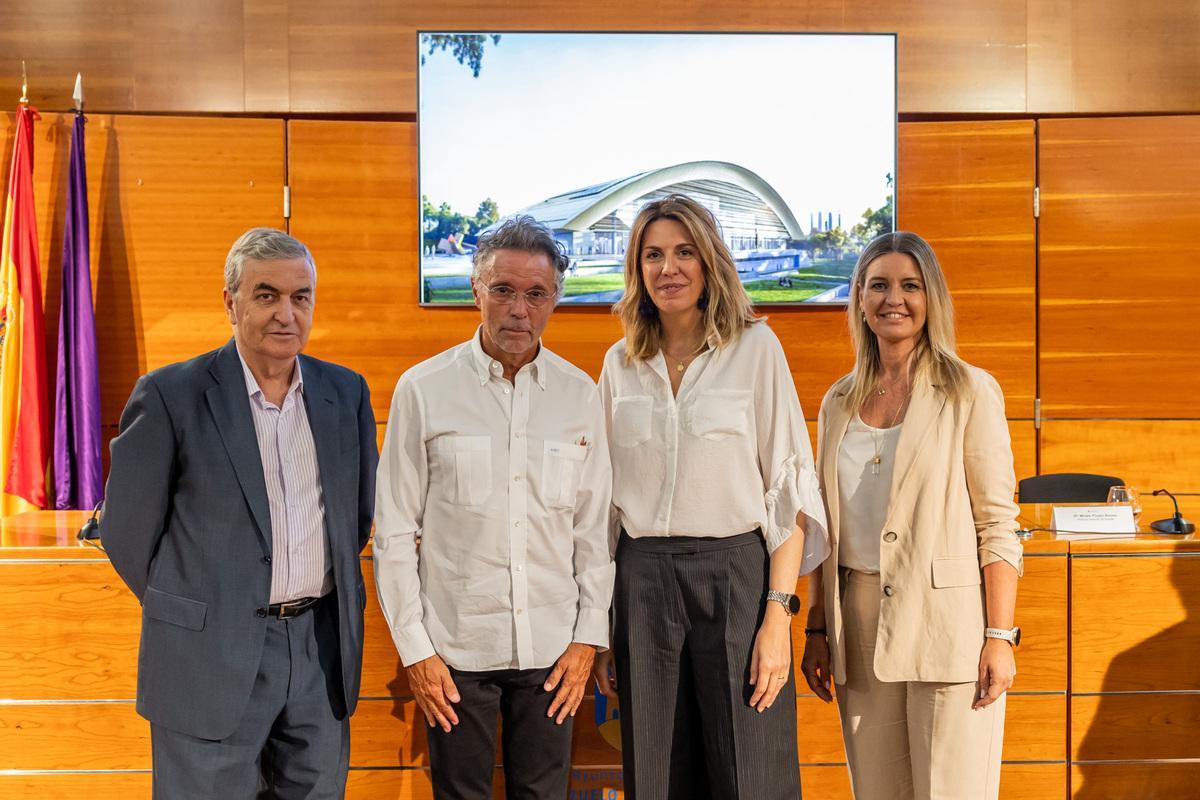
(795, 489)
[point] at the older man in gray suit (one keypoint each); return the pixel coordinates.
(240, 495)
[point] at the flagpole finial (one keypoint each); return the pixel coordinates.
(24, 85)
(77, 95)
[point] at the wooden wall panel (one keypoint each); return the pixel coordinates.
(1133, 58)
(1042, 615)
(74, 785)
(1118, 211)
(1141, 637)
(1130, 727)
(1142, 781)
(1033, 781)
(57, 39)
(967, 187)
(1146, 454)
(46, 653)
(1024, 446)
(818, 727)
(78, 736)
(1034, 726)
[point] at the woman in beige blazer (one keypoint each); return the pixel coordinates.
(912, 613)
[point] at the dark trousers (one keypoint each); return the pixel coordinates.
(687, 611)
(537, 752)
(293, 741)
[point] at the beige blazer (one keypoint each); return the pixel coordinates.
(950, 513)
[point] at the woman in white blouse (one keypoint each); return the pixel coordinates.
(913, 611)
(717, 506)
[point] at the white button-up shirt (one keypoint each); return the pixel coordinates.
(301, 565)
(507, 486)
(728, 455)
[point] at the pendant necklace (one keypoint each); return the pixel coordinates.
(878, 459)
(682, 363)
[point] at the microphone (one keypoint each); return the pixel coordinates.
(91, 528)
(1175, 524)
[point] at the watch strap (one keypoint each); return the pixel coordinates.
(1007, 635)
(783, 598)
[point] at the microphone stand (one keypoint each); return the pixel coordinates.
(1176, 524)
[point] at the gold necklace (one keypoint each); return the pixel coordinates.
(875, 438)
(682, 363)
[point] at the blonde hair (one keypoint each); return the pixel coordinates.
(729, 308)
(935, 351)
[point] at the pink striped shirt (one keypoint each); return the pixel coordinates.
(300, 559)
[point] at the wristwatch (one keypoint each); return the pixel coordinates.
(1013, 637)
(790, 603)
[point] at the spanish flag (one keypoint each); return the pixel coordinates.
(24, 401)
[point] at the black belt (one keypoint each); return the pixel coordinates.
(293, 608)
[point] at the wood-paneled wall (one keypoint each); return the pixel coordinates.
(1119, 368)
(360, 56)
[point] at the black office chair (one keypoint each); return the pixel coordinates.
(1066, 487)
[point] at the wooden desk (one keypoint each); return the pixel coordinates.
(1107, 699)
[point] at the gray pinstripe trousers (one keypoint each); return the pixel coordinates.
(687, 610)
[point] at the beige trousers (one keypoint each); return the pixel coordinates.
(910, 740)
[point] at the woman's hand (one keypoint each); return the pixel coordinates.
(997, 668)
(604, 670)
(816, 665)
(771, 663)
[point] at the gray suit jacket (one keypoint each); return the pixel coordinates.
(187, 525)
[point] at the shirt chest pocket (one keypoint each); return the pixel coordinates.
(466, 466)
(562, 467)
(719, 414)
(631, 420)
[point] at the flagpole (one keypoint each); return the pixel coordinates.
(24, 86)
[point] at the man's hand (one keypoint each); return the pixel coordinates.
(434, 691)
(570, 675)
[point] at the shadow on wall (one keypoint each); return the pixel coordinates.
(1129, 727)
(118, 312)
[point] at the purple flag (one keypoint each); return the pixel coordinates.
(77, 467)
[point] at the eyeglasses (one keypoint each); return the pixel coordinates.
(506, 296)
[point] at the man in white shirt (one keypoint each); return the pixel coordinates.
(496, 461)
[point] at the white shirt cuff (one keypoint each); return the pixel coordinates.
(591, 627)
(413, 644)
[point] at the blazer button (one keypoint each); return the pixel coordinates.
(262, 612)
(266, 559)
(889, 591)
(890, 536)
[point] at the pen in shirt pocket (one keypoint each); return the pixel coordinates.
(583, 441)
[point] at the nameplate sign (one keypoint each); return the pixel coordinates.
(1094, 522)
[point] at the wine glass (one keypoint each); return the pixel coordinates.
(1135, 502)
(1118, 495)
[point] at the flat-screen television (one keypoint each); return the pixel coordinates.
(789, 139)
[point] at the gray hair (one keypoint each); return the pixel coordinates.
(521, 233)
(263, 244)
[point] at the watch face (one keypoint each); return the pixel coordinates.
(1016, 636)
(793, 605)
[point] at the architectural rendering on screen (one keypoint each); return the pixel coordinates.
(789, 139)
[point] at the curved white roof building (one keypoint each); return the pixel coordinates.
(596, 219)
